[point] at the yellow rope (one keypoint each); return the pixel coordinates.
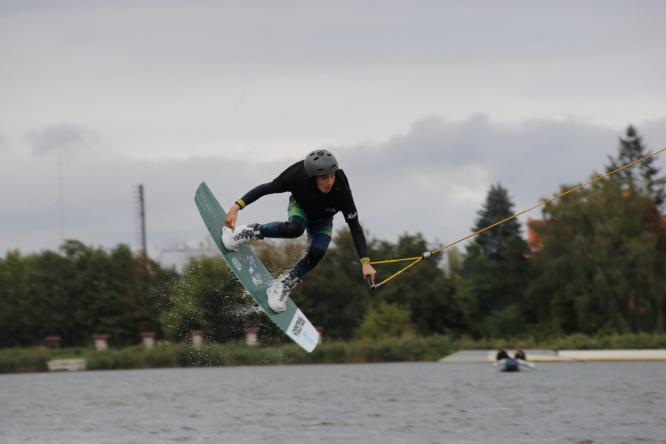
(417, 259)
(392, 261)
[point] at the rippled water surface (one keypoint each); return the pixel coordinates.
(381, 403)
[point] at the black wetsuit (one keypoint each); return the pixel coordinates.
(310, 209)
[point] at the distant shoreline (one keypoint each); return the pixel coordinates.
(574, 348)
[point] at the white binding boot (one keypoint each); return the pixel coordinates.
(279, 290)
(232, 239)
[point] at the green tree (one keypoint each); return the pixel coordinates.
(384, 320)
(14, 304)
(645, 176)
(497, 242)
(114, 292)
(77, 292)
(424, 289)
(601, 267)
(33, 296)
(208, 297)
(334, 295)
(495, 271)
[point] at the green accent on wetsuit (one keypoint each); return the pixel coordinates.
(295, 210)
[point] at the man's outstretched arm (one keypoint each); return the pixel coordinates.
(361, 246)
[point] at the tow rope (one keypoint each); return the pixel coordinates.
(428, 254)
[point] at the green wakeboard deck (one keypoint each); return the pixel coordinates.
(254, 276)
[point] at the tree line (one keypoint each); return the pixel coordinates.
(599, 266)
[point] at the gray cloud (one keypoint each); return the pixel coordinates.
(225, 74)
(654, 133)
(455, 163)
(62, 139)
(304, 32)
(236, 85)
(431, 179)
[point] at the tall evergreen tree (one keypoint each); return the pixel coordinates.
(645, 176)
(498, 206)
(495, 271)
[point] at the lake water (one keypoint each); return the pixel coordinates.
(380, 403)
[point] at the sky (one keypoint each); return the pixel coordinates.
(426, 105)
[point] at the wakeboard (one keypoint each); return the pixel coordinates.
(254, 275)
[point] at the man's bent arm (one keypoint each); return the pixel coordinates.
(257, 192)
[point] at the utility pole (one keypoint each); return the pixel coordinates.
(142, 221)
(61, 199)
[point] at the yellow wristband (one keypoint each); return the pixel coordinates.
(365, 260)
(241, 203)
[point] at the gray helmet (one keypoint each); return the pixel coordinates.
(320, 162)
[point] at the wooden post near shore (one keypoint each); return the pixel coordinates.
(197, 338)
(251, 339)
(52, 342)
(148, 339)
(101, 341)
